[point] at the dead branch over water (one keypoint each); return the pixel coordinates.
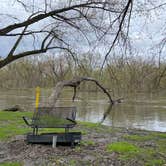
(74, 83)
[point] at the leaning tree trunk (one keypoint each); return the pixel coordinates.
(74, 83)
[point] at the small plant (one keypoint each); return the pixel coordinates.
(126, 150)
(122, 147)
(77, 149)
(88, 143)
(72, 163)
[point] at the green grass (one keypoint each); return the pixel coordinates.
(133, 149)
(154, 162)
(128, 151)
(98, 127)
(157, 138)
(11, 124)
(72, 162)
(10, 164)
(122, 147)
(151, 136)
(162, 146)
(88, 143)
(159, 135)
(138, 137)
(90, 125)
(13, 116)
(150, 155)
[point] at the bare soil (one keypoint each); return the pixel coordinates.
(92, 151)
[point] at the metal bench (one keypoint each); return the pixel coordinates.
(53, 117)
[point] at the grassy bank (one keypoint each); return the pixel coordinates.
(100, 144)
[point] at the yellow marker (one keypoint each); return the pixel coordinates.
(37, 97)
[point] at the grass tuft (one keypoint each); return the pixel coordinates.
(122, 147)
(88, 143)
(10, 164)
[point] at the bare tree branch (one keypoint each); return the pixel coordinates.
(17, 42)
(129, 4)
(84, 18)
(39, 17)
(74, 83)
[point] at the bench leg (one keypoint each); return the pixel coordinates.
(54, 141)
(35, 130)
(66, 130)
(72, 144)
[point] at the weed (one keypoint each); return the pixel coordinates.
(72, 162)
(122, 147)
(88, 143)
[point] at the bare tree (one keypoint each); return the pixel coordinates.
(54, 67)
(64, 23)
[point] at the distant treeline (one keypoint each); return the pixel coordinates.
(119, 75)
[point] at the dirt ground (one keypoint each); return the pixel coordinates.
(92, 150)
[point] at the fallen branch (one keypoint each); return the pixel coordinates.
(74, 84)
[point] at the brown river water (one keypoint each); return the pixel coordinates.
(141, 111)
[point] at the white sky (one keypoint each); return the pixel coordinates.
(145, 33)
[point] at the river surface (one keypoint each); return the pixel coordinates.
(141, 111)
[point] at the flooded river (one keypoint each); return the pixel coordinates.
(141, 111)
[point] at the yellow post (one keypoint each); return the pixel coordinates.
(37, 97)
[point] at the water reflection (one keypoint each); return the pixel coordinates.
(139, 111)
(107, 113)
(140, 116)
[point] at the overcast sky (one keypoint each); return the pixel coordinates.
(145, 32)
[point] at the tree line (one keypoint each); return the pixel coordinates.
(70, 27)
(131, 74)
